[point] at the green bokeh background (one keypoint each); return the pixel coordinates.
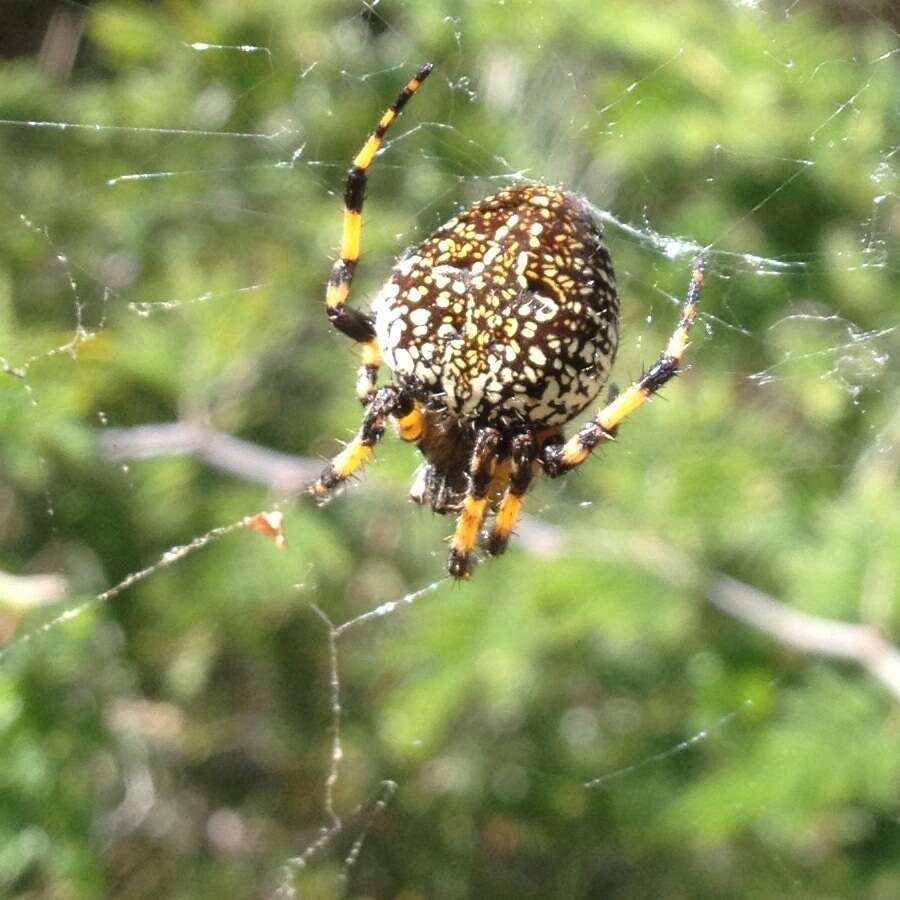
(176, 741)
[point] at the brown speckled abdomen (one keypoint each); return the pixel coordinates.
(507, 314)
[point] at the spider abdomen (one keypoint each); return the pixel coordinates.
(507, 314)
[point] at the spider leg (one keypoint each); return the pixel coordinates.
(559, 459)
(389, 401)
(524, 451)
(481, 472)
(355, 324)
(411, 425)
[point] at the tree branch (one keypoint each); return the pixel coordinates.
(282, 473)
(860, 644)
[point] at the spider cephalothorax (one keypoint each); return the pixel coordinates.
(497, 330)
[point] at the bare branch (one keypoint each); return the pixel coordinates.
(283, 473)
(860, 644)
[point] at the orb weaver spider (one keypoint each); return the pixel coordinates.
(497, 330)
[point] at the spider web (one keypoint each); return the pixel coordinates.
(795, 331)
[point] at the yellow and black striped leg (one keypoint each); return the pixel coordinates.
(389, 401)
(521, 473)
(481, 471)
(367, 373)
(355, 324)
(561, 458)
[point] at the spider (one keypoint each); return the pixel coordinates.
(497, 330)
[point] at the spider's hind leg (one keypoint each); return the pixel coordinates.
(524, 451)
(561, 458)
(481, 473)
(388, 401)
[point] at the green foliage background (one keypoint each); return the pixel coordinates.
(176, 741)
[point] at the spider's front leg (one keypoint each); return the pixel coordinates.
(561, 458)
(355, 324)
(388, 401)
(481, 472)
